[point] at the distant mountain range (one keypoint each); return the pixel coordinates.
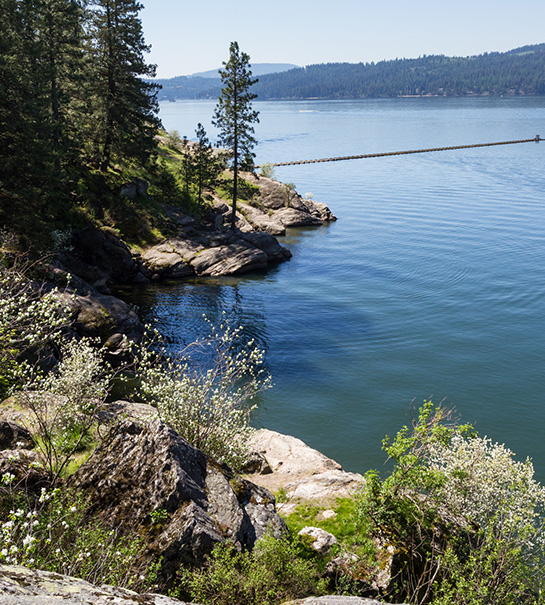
(258, 69)
(520, 71)
(200, 85)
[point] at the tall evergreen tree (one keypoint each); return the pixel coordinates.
(234, 115)
(41, 53)
(61, 23)
(24, 150)
(125, 104)
(207, 168)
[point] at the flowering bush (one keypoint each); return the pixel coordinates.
(29, 319)
(65, 402)
(210, 406)
(462, 517)
(55, 534)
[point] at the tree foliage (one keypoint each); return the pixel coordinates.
(207, 166)
(463, 518)
(234, 115)
(71, 95)
(124, 104)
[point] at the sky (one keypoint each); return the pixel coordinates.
(188, 37)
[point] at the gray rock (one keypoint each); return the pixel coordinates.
(290, 217)
(186, 248)
(269, 245)
(276, 196)
(305, 474)
(122, 410)
(257, 463)
(134, 188)
(104, 250)
(23, 586)
(21, 464)
(229, 260)
(273, 194)
(319, 540)
(100, 315)
(262, 221)
(144, 467)
(335, 600)
(320, 211)
(165, 261)
(14, 436)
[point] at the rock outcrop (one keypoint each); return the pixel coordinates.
(100, 316)
(302, 472)
(23, 586)
(253, 246)
(142, 468)
(335, 600)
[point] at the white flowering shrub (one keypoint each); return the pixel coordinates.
(210, 405)
(65, 402)
(464, 519)
(29, 319)
(55, 534)
(486, 485)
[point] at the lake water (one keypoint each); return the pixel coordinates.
(430, 284)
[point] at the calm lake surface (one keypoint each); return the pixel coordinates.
(430, 284)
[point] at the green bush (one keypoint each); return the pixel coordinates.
(462, 517)
(267, 170)
(274, 572)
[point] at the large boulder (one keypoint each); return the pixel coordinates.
(23, 586)
(291, 217)
(269, 244)
(104, 250)
(163, 260)
(229, 260)
(101, 315)
(14, 436)
(140, 469)
(262, 221)
(305, 474)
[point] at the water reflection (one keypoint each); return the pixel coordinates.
(184, 311)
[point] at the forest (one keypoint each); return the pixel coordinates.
(520, 71)
(76, 114)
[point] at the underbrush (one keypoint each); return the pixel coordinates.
(274, 572)
(53, 532)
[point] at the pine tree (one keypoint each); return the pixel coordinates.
(234, 115)
(61, 23)
(125, 104)
(25, 156)
(41, 57)
(207, 168)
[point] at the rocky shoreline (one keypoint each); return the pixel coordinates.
(203, 502)
(143, 466)
(99, 261)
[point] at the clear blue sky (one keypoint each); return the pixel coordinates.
(188, 37)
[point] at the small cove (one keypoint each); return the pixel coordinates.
(431, 283)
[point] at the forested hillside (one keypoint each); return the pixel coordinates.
(518, 72)
(75, 111)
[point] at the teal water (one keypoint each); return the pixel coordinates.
(430, 284)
